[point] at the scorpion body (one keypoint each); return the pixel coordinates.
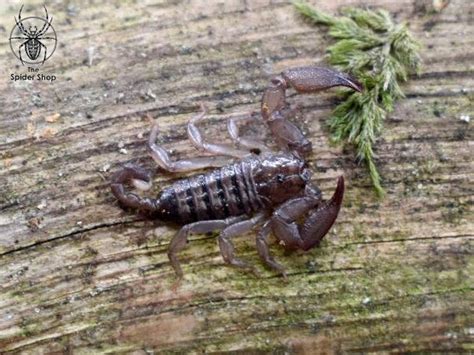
(242, 188)
(273, 189)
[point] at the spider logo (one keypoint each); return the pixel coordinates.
(26, 39)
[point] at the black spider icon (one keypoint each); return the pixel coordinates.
(33, 44)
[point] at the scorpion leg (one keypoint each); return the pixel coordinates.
(180, 239)
(303, 80)
(264, 251)
(318, 222)
(163, 159)
(225, 243)
(200, 144)
(251, 144)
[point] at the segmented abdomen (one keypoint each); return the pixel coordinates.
(229, 191)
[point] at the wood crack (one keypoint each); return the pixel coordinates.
(67, 235)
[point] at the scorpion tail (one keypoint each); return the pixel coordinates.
(140, 179)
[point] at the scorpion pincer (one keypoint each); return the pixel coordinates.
(269, 189)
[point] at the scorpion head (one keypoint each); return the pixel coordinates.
(281, 177)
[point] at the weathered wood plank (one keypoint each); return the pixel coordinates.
(78, 273)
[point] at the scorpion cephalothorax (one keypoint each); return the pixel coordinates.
(273, 189)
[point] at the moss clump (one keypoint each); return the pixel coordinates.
(380, 53)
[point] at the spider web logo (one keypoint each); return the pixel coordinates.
(33, 39)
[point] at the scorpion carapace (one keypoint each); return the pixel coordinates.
(269, 189)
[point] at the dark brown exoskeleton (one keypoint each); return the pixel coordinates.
(273, 189)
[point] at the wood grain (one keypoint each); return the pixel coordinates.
(80, 275)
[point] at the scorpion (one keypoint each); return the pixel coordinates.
(259, 187)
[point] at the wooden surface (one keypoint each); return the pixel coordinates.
(80, 275)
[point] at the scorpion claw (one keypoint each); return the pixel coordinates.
(304, 80)
(312, 79)
(321, 220)
(350, 82)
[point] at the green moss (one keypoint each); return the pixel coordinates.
(381, 54)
